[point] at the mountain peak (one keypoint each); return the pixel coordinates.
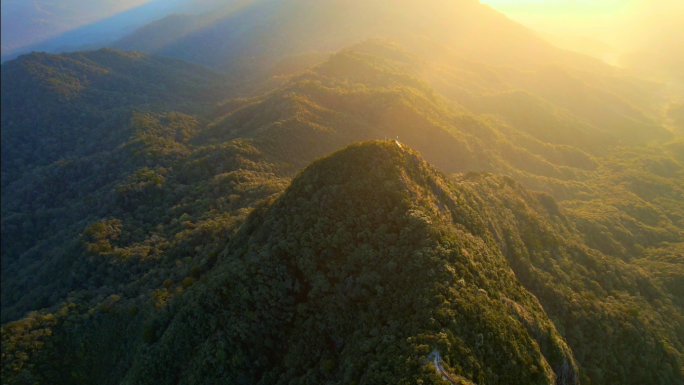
(364, 264)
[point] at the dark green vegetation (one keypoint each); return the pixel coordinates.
(343, 278)
(73, 105)
(163, 233)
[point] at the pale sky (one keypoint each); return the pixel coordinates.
(625, 24)
(29, 21)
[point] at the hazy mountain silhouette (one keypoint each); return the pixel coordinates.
(101, 33)
(267, 30)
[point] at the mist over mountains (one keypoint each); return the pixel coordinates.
(58, 26)
(270, 29)
(339, 192)
(648, 49)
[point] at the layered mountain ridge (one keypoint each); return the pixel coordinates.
(88, 96)
(188, 237)
(253, 36)
(307, 284)
(345, 263)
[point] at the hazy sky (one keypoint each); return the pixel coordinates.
(624, 24)
(29, 21)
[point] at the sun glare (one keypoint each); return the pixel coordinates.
(625, 25)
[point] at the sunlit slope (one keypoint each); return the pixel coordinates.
(580, 102)
(256, 35)
(626, 203)
(347, 295)
(376, 90)
(61, 106)
(357, 96)
(125, 230)
(605, 301)
(369, 261)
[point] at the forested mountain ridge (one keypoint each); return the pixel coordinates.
(173, 254)
(340, 287)
(68, 105)
(544, 257)
(352, 272)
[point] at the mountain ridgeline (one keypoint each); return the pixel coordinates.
(258, 222)
(69, 105)
(367, 262)
(356, 273)
(249, 39)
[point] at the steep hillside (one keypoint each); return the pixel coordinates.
(62, 106)
(357, 96)
(151, 180)
(377, 90)
(605, 301)
(165, 246)
(356, 273)
(155, 36)
(364, 298)
(579, 102)
(367, 263)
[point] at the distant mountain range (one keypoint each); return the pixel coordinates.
(270, 29)
(165, 27)
(94, 35)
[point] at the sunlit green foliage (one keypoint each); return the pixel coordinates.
(184, 251)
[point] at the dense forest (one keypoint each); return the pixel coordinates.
(373, 215)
